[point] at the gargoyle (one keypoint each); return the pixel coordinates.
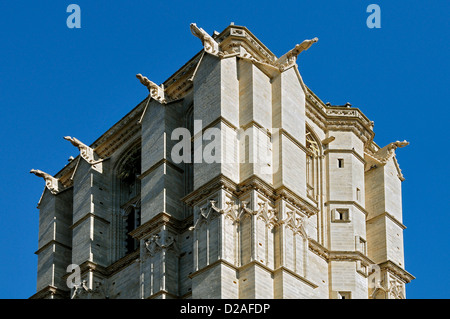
(85, 151)
(156, 92)
(209, 44)
(51, 182)
(305, 45)
(389, 150)
(291, 56)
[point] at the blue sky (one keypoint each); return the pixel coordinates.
(56, 81)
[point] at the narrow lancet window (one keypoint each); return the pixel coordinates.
(312, 166)
(130, 199)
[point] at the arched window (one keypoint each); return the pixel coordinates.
(129, 199)
(312, 165)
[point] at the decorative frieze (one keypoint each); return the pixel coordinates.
(162, 241)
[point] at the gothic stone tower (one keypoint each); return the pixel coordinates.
(276, 195)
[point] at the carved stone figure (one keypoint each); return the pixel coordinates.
(290, 57)
(85, 151)
(156, 92)
(389, 150)
(210, 45)
(50, 182)
(305, 45)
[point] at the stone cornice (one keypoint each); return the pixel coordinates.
(389, 216)
(398, 271)
(159, 220)
(290, 196)
(202, 192)
(213, 123)
(329, 255)
(87, 216)
(211, 265)
(339, 118)
(180, 84)
(163, 161)
(349, 256)
(253, 182)
(49, 244)
(236, 37)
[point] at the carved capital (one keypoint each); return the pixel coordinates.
(268, 215)
(296, 223)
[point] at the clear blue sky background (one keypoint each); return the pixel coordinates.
(56, 81)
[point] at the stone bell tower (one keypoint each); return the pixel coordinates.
(232, 179)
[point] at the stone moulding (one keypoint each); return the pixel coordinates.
(396, 270)
(392, 218)
(51, 292)
(86, 217)
(330, 118)
(235, 37)
(159, 163)
(49, 244)
(329, 255)
(252, 183)
(161, 219)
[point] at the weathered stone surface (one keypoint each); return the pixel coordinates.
(298, 202)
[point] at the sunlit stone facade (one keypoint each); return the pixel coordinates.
(277, 195)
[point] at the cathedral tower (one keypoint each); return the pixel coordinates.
(232, 179)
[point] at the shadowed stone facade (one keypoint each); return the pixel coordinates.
(299, 201)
